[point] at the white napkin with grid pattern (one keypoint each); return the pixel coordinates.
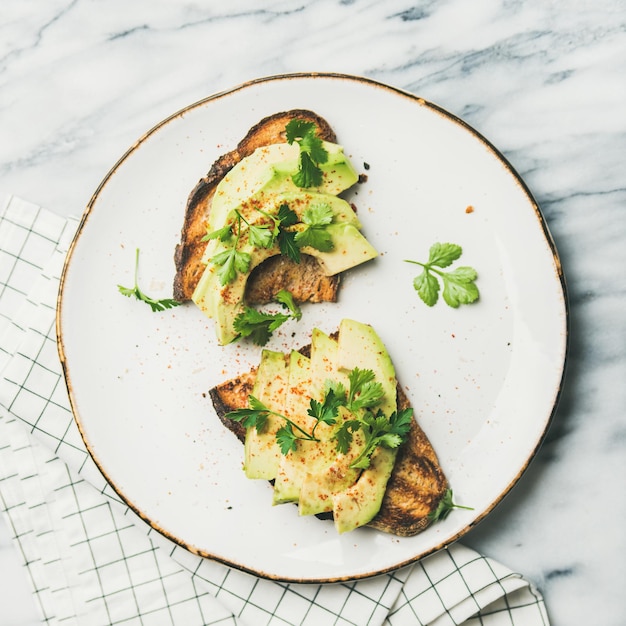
(92, 561)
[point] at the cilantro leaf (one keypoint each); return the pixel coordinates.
(427, 286)
(364, 391)
(258, 325)
(309, 174)
(315, 237)
(344, 435)
(318, 214)
(286, 216)
(286, 299)
(312, 152)
(136, 292)
(400, 422)
(288, 246)
(327, 410)
(286, 439)
(260, 236)
(445, 505)
(231, 261)
(316, 217)
(382, 431)
(370, 395)
(337, 388)
(255, 416)
(458, 285)
(223, 234)
(297, 128)
(444, 254)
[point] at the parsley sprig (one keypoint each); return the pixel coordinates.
(230, 261)
(379, 430)
(446, 504)
(287, 436)
(285, 230)
(363, 394)
(260, 325)
(136, 292)
(312, 153)
(458, 285)
(315, 234)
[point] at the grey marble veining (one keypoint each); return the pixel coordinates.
(544, 81)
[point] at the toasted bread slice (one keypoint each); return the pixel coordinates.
(306, 281)
(417, 483)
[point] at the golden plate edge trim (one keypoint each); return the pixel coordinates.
(422, 102)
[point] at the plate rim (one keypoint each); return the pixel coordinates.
(547, 236)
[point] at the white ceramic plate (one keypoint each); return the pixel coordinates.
(484, 379)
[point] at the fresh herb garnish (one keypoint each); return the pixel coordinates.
(223, 234)
(363, 394)
(444, 507)
(230, 261)
(458, 285)
(317, 217)
(379, 430)
(135, 291)
(312, 153)
(259, 325)
(327, 410)
(287, 238)
(256, 416)
(286, 299)
(314, 234)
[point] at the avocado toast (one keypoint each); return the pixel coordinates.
(413, 483)
(305, 280)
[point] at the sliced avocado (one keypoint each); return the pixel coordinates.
(324, 363)
(310, 457)
(269, 169)
(268, 202)
(301, 200)
(316, 474)
(360, 346)
(261, 451)
(333, 475)
(350, 249)
(225, 302)
(353, 496)
(293, 466)
(252, 175)
(359, 504)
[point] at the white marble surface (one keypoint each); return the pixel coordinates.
(545, 81)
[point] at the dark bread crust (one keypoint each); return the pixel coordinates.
(417, 482)
(314, 286)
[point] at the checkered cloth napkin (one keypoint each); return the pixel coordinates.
(92, 561)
